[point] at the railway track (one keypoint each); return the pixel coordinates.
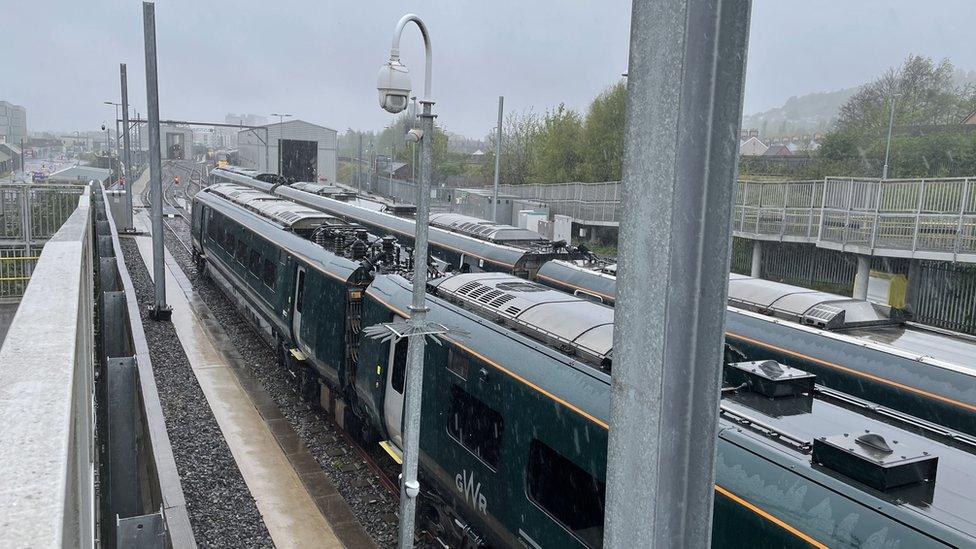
(378, 465)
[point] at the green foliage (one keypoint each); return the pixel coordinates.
(603, 135)
(557, 147)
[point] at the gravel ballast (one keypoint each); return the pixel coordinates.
(371, 503)
(222, 511)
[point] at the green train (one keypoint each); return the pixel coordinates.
(515, 415)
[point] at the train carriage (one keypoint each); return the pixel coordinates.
(514, 438)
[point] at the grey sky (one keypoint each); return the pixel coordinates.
(318, 59)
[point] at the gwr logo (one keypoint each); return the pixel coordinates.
(471, 492)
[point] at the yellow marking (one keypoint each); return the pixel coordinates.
(873, 377)
(759, 511)
(394, 453)
(19, 257)
(299, 356)
(379, 370)
(782, 524)
(15, 278)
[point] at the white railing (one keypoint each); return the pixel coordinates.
(924, 218)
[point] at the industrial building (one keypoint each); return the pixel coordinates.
(175, 142)
(13, 123)
(295, 148)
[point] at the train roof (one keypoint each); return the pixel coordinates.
(322, 189)
(796, 425)
(584, 280)
(572, 325)
(314, 255)
(284, 213)
(485, 230)
(804, 306)
(507, 256)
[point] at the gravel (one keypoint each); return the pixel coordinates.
(370, 501)
(222, 511)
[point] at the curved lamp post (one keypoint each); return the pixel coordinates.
(393, 84)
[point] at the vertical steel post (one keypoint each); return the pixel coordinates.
(160, 310)
(409, 487)
(498, 156)
(891, 124)
(687, 64)
(127, 151)
(359, 165)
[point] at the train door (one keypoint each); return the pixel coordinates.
(396, 375)
(296, 319)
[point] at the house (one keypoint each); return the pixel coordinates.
(778, 150)
(752, 147)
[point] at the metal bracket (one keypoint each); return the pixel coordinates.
(409, 328)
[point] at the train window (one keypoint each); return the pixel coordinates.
(270, 274)
(564, 490)
(241, 254)
(476, 426)
(300, 292)
(399, 374)
(458, 364)
(229, 242)
(254, 263)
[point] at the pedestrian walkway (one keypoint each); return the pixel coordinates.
(291, 515)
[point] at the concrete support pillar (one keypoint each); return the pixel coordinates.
(757, 251)
(911, 292)
(861, 277)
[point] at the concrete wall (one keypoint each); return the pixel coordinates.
(46, 391)
(251, 147)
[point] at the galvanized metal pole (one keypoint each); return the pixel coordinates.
(359, 165)
(160, 310)
(891, 124)
(409, 486)
(687, 61)
(127, 151)
(413, 393)
(498, 156)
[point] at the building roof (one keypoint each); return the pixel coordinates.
(298, 120)
(970, 118)
(81, 173)
(778, 150)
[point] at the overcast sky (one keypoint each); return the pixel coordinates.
(318, 59)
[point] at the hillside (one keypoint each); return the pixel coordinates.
(806, 114)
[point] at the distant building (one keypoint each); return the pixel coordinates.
(778, 150)
(175, 142)
(13, 123)
(5, 164)
(752, 146)
(81, 174)
(308, 151)
(745, 134)
(970, 119)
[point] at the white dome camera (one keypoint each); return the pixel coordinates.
(393, 83)
(414, 135)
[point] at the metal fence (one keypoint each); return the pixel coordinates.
(30, 214)
(922, 218)
(594, 203)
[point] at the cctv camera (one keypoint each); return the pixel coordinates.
(415, 135)
(103, 127)
(393, 83)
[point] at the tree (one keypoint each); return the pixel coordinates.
(557, 148)
(926, 96)
(518, 139)
(603, 135)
